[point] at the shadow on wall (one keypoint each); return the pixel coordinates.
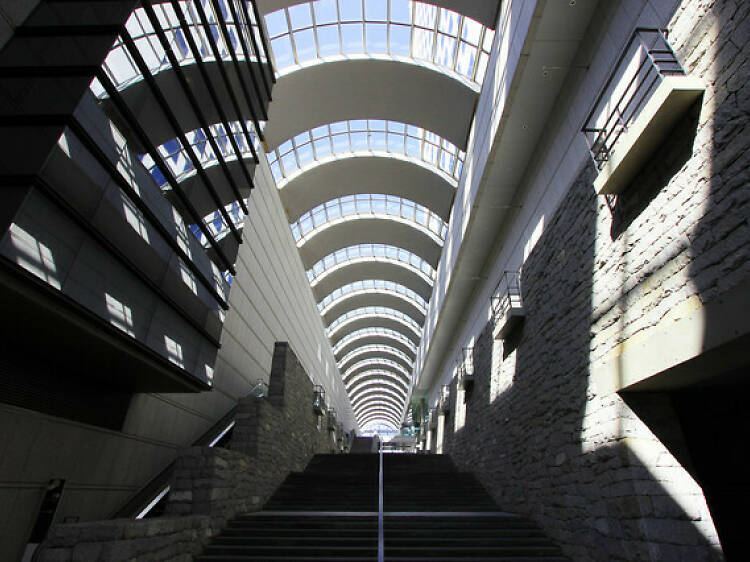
(613, 476)
(548, 445)
(708, 422)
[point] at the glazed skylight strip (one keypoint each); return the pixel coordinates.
(375, 331)
(314, 32)
(368, 204)
(373, 285)
(374, 251)
(180, 163)
(358, 136)
(123, 71)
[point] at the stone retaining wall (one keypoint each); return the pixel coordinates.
(272, 437)
(176, 539)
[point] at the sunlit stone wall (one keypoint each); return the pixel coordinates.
(544, 427)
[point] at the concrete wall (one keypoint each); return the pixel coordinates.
(12, 15)
(270, 300)
(614, 296)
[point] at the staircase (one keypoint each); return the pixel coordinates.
(431, 512)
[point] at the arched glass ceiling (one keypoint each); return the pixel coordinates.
(373, 332)
(374, 348)
(376, 362)
(368, 205)
(183, 167)
(368, 252)
(373, 311)
(325, 30)
(122, 70)
(371, 285)
(363, 136)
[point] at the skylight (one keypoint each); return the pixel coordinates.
(121, 68)
(363, 136)
(373, 285)
(180, 163)
(363, 252)
(217, 225)
(375, 348)
(325, 30)
(373, 311)
(365, 204)
(375, 331)
(385, 378)
(377, 361)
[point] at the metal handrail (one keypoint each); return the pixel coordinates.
(507, 293)
(659, 60)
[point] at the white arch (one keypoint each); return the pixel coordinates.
(370, 228)
(346, 322)
(369, 335)
(483, 11)
(314, 32)
(375, 350)
(377, 298)
(379, 362)
(370, 88)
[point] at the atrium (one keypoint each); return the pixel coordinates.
(512, 233)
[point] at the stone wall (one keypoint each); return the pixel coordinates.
(177, 539)
(545, 436)
(273, 436)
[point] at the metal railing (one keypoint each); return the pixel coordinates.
(507, 295)
(465, 374)
(319, 400)
(444, 400)
(643, 64)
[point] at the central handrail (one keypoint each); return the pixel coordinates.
(381, 545)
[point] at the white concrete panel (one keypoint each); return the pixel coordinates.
(395, 271)
(370, 89)
(378, 339)
(392, 175)
(393, 300)
(369, 229)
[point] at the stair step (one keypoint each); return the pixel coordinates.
(446, 516)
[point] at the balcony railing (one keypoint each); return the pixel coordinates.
(507, 304)
(444, 401)
(641, 100)
(465, 374)
(319, 400)
(332, 420)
